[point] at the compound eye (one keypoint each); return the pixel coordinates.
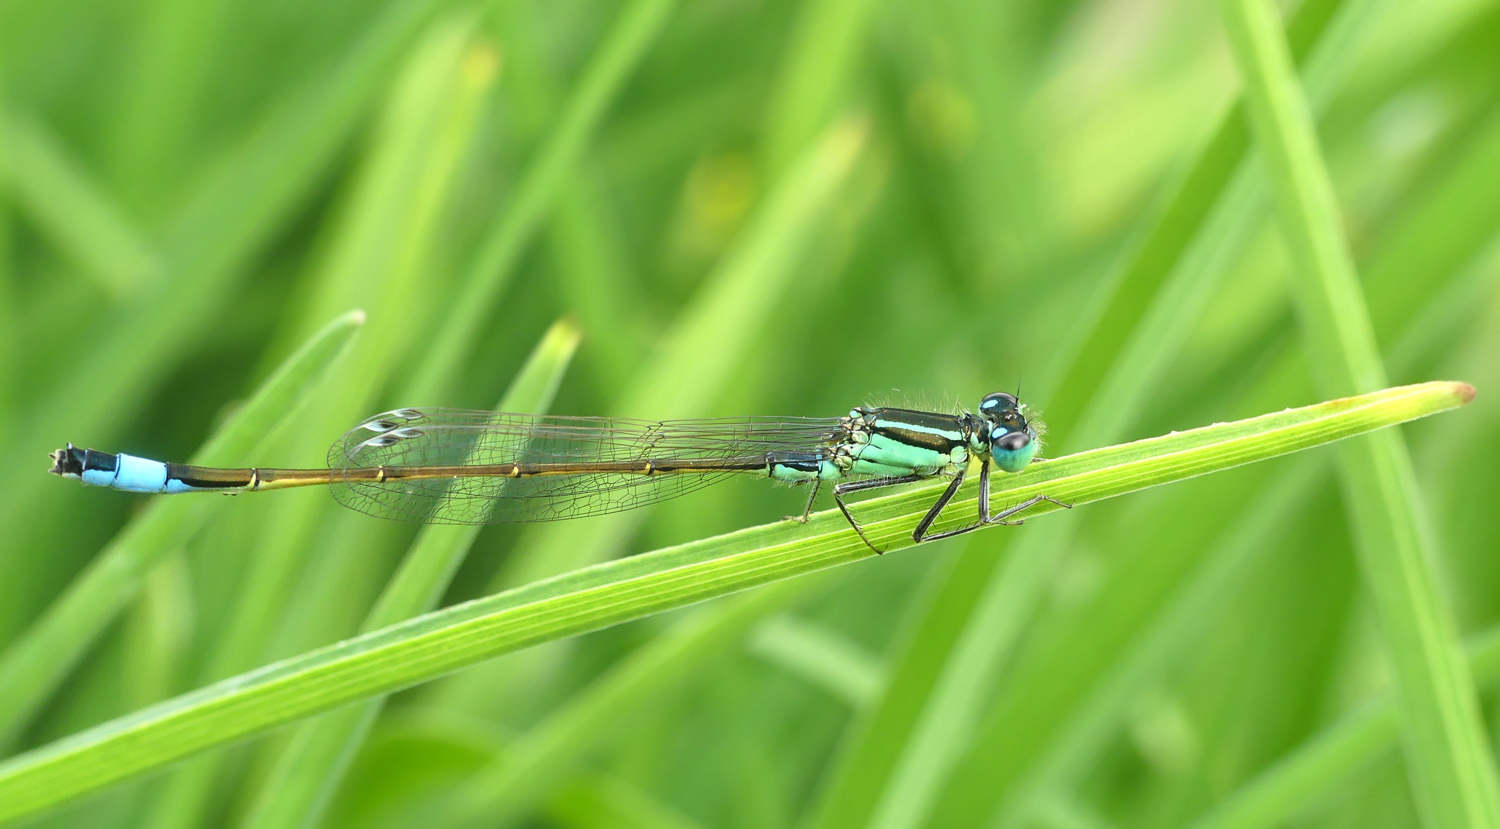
(992, 405)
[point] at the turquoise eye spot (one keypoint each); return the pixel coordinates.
(1014, 460)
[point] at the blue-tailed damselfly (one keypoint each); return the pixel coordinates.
(455, 466)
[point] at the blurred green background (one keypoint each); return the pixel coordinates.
(748, 208)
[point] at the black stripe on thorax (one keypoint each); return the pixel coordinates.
(890, 423)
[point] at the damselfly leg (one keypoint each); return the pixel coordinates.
(985, 518)
(841, 490)
(807, 510)
(920, 533)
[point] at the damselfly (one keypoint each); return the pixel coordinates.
(451, 466)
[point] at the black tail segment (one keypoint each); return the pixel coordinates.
(68, 461)
(72, 462)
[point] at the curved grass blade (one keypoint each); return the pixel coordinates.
(896, 773)
(381, 253)
(706, 342)
(82, 219)
(221, 225)
(1454, 775)
(635, 31)
(1273, 797)
(34, 665)
(505, 790)
(311, 767)
(593, 598)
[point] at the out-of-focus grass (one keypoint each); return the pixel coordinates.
(1453, 766)
(188, 191)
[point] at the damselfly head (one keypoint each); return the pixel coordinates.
(1013, 443)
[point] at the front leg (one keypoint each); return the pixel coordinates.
(985, 518)
(920, 535)
(1024, 505)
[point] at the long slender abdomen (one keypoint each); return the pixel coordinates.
(134, 474)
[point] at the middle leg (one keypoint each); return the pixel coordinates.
(841, 490)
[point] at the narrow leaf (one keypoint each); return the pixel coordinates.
(34, 665)
(1453, 770)
(312, 766)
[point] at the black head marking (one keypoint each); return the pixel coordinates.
(1010, 441)
(994, 404)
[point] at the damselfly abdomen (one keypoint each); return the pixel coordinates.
(452, 466)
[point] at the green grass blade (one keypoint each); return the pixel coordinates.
(634, 32)
(421, 649)
(220, 226)
(824, 48)
(177, 61)
(381, 253)
(311, 768)
(821, 657)
(72, 208)
(503, 792)
(1154, 298)
(878, 739)
(712, 335)
(1097, 718)
(1155, 253)
(595, 277)
(1081, 739)
(39, 660)
(1453, 770)
(1274, 797)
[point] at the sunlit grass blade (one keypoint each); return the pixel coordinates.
(634, 32)
(72, 208)
(39, 660)
(381, 255)
(824, 48)
(312, 766)
(1453, 769)
(423, 648)
(1085, 727)
(204, 251)
(1153, 298)
(709, 339)
(1156, 250)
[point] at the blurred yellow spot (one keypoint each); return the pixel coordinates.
(717, 195)
(481, 64)
(942, 118)
(720, 189)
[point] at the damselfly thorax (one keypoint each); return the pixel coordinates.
(473, 467)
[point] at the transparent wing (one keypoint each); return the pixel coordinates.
(455, 437)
